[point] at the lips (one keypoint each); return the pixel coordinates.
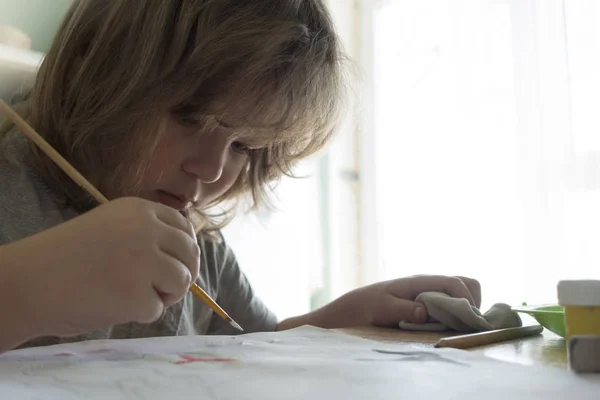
(177, 202)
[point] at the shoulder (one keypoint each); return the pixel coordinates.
(26, 207)
(216, 253)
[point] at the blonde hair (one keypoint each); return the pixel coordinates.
(117, 65)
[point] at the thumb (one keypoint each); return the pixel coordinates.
(395, 310)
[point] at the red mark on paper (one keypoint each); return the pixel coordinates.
(191, 359)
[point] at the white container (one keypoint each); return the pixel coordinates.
(581, 301)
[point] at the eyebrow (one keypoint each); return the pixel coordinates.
(222, 123)
(248, 140)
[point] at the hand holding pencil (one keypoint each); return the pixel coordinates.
(148, 242)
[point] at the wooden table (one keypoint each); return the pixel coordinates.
(544, 349)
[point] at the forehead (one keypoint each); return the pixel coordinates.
(259, 114)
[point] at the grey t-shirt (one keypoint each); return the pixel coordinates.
(28, 205)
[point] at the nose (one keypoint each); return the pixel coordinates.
(208, 163)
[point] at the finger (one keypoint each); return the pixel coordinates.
(182, 247)
(152, 309)
(409, 288)
(474, 287)
(173, 218)
(171, 279)
(393, 310)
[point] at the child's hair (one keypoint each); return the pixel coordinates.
(120, 66)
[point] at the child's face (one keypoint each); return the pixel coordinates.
(192, 165)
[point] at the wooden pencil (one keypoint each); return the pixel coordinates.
(488, 337)
(79, 179)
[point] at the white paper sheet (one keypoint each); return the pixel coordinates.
(303, 363)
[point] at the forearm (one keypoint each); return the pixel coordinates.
(341, 313)
(17, 323)
(311, 318)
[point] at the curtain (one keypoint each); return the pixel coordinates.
(483, 142)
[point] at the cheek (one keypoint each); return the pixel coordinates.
(133, 177)
(233, 171)
(137, 174)
(160, 164)
(231, 174)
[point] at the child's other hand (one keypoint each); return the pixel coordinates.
(121, 262)
(391, 302)
(387, 303)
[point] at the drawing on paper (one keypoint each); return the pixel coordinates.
(419, 356)
(190, 359)
(314, 362)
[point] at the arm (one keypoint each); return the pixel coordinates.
(18, 320)
(314, 318)
(344, 312)
(85, 274)
(380, 304)
(386, 303)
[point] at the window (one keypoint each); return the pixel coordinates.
(482, 142)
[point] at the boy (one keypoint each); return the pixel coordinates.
(170, 108)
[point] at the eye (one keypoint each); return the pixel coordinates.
(240, 147)
(222, 123)
(188, 121)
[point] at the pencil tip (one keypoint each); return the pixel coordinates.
(236, 325)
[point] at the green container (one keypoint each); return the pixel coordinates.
(551, 317)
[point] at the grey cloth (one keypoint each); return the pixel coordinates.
(29, 204)
(449, 313)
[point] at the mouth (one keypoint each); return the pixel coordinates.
(177, 202)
